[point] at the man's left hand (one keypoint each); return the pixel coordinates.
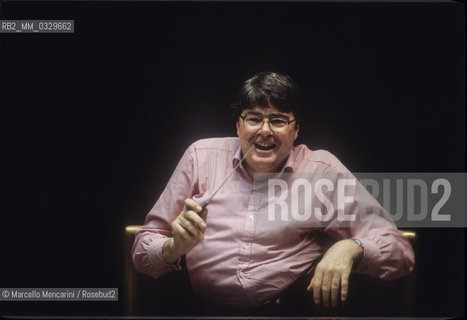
(333, 272)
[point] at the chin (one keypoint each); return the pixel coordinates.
(263, 161)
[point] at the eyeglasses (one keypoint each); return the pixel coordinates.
(277, 123)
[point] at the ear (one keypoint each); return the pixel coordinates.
(238, 129)
(297, 128)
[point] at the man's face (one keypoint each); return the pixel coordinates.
(272, 139)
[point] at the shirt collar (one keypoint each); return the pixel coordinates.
(237, 156)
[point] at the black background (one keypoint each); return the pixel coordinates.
(93, 123)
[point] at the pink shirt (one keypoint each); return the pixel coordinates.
(239, 262)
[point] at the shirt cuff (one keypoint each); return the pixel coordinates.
(368, 263)
(157, 259)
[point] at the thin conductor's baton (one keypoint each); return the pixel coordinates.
(225, 180)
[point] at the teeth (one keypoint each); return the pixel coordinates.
(263, 144)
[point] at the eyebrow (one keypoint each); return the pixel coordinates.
(270, 115)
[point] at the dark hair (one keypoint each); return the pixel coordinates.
(268, 89)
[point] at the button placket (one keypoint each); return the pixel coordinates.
(245, 245)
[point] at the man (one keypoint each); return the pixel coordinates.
(231, 259)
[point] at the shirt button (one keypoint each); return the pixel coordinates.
(241, 274)
(251, 217)
(245, 246)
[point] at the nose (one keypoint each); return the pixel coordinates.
(265, 128)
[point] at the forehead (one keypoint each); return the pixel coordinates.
(267, 111)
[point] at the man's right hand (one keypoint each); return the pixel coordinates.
(187, 231)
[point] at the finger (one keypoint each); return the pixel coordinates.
(193, 205)
(336, 279)
(190, 227)
(326, 288)
(180, 232)
(183, 240)
(316, 285)
(195, 219)
(310, 286)
(344, 286)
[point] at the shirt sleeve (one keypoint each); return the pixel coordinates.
(386, 253)
(147, 248)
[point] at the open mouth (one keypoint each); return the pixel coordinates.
(264, 146)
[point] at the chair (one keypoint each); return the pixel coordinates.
(138, 288)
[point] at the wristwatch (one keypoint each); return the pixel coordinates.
(359, 243)
(363, 251)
